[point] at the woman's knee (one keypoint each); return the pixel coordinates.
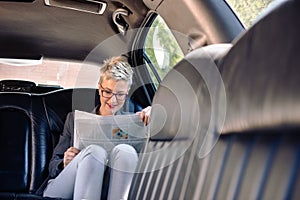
(124, 157)
(96, 152)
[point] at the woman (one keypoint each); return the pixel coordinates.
(79, 174)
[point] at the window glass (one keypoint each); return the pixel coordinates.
(248, 10)
(50, 72)
(161, 50)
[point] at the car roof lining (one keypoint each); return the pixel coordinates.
(32, 30)
(42, 28)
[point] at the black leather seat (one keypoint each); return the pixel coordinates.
(239, 137)
(15, 142)
(30, 126)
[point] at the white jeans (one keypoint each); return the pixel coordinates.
(83, 176)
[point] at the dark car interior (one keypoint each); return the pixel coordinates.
(224, 121)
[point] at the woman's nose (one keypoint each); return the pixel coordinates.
(113, 99)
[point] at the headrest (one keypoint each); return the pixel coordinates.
(15, 101)
(16, 86)
(185, 93)
(261, 74)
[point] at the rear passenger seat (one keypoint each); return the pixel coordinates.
(30, 125)
(236, 139)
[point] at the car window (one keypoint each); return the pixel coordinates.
(49, 72)
(161, 50)
(248, 10)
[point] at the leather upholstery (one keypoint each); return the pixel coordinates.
(15, 142)
(261, 73)
(30, 126)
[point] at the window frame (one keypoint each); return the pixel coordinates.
(146, 60)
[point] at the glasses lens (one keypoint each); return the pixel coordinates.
(120, 96)
(108, 94)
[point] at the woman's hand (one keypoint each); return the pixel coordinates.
(69, 155)
(145, 115)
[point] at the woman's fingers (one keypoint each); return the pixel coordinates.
(69, 155)
(145, 114)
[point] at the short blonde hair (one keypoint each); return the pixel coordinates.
(116, 68)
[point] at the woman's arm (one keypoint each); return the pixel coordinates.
(56, 164)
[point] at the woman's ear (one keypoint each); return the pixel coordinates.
(129, 87)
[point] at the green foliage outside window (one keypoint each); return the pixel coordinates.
(161, 48)
(248, 10)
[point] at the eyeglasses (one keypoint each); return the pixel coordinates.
(108, 94)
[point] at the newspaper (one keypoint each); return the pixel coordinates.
(108, 131)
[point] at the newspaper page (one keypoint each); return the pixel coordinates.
(108, 131)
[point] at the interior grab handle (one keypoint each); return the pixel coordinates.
(119, 22)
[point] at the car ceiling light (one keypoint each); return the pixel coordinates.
(21, 62)
(90, 6)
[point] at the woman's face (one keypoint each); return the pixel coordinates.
(112, 95)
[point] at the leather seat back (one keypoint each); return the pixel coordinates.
(241, 139)
(15, 142)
